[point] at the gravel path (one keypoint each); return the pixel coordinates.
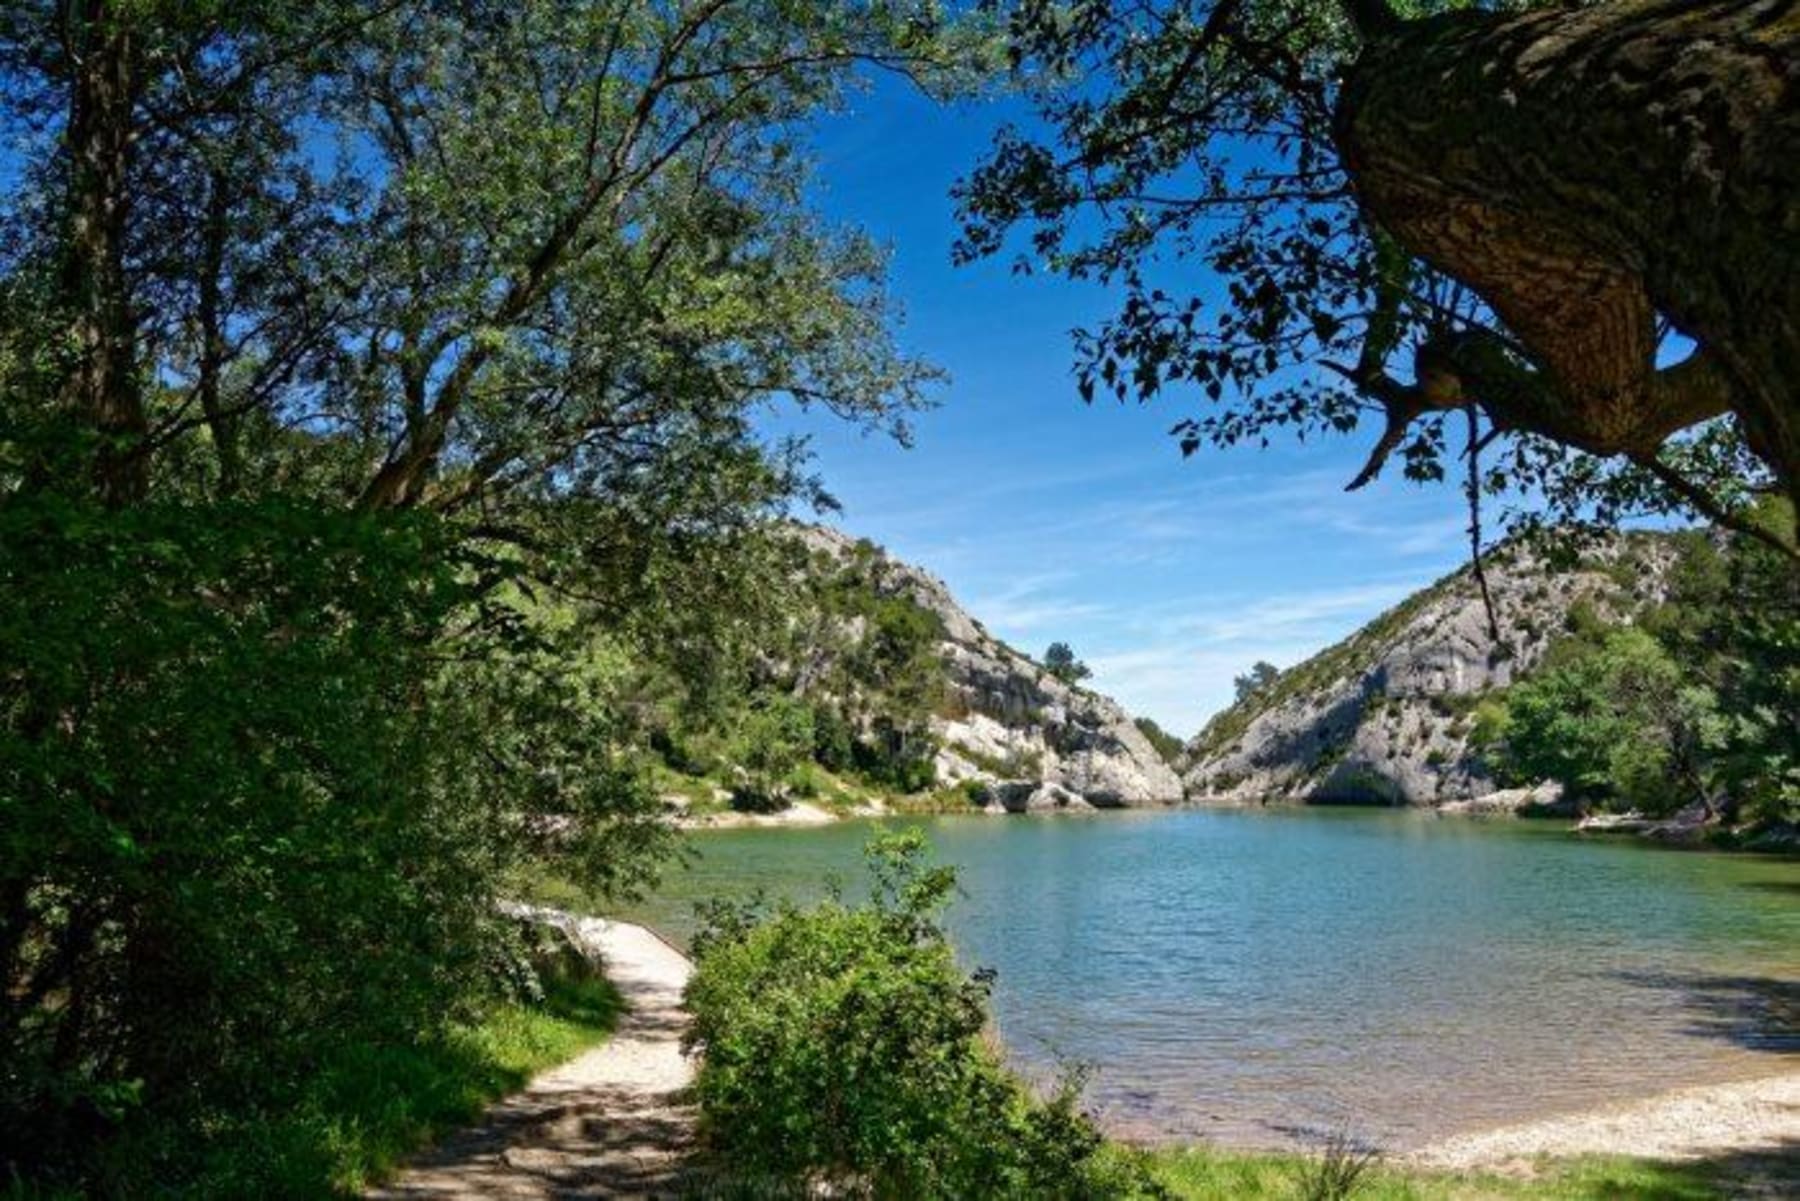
(1752, 1121)
(611, 1123)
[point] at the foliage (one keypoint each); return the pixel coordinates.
(247, 808)
(364, 1107)
(1185, 156)
(1700, 702)
(377, 466)
(1614, 722)
(773, 740)
(1171, 748)
(834, 659)
(1733, 621)
(844, 1043)
(1061, 662)
(1259, 677)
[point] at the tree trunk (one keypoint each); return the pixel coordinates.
(103, 386)
(1587, 171)
(221, 422)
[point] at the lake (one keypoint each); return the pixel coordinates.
(1254, 976)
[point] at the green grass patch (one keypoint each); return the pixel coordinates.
(1206, 1174)
(355, 1118)
(968, 797)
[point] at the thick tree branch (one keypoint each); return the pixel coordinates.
(1588, 173)
(1477, 366)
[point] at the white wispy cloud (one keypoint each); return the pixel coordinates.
(1176, 662)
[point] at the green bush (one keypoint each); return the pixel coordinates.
(1617, 724)
(897, 757)
(773, 739)
(249, 825)
(843, 1043)
(1167, 745)
(834, 740)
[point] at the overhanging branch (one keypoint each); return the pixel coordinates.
(1709, 507)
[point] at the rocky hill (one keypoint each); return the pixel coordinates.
(1386, 715)
(1021, 738)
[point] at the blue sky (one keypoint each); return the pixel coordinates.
(1051, 520)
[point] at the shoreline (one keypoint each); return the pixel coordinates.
(1751, 1114)
(807, 815)
(1760, 1114)
(617, 1113)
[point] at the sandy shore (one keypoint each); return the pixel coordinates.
(800, 813)
(1712, 1121)
(611, 1123)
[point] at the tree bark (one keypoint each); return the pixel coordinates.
(1587, 171)
(103, 386)
(220, 421)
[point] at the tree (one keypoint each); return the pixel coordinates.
(1258, 678)
(1061, 662)
(1694, 701)
(482, 294)
(1526, 201)
(375, 380)
(1615, 723)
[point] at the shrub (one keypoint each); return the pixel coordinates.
(897, 757)
(1171, 748)
(1061, 662)
(774, 739)
(834, 740)
(249, 824)
(844, 1044)
(1616, 722)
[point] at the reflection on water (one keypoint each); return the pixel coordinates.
(1248, 974)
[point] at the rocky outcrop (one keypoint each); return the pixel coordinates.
(1025, 739)
(1387, 715)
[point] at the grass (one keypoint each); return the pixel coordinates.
(1206, 1174)
(950, 799)
(374, 1110)
(357, 1116)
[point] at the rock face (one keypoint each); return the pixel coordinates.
(1386, 715)
(1031, 741)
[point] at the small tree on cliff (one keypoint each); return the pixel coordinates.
(1061, 662)
(1255, 680)
(1482, 223)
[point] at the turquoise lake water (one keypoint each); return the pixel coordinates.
(1260, 975)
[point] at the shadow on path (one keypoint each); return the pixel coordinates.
(614, 1122)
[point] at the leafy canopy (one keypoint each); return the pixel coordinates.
(1186, 154)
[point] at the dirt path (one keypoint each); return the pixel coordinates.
(1749, 1121)
(610, 1123)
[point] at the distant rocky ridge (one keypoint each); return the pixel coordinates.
(1386, 715)
(1028, 741)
